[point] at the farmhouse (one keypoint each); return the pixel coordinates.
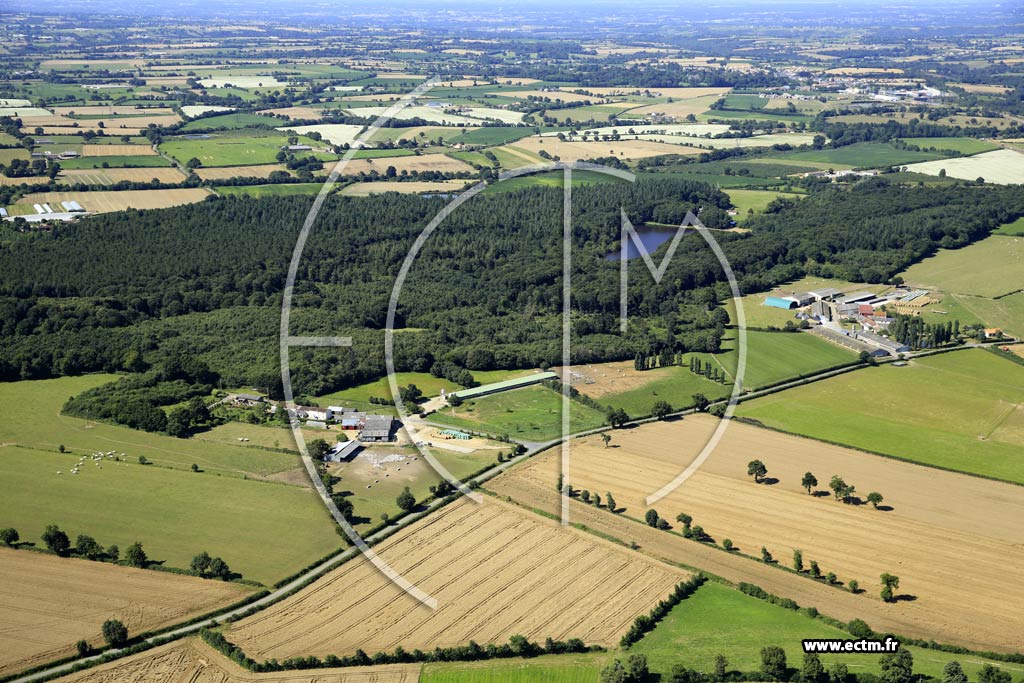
(247, 399)
(377, 429)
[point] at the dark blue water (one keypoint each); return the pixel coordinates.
(650, 237)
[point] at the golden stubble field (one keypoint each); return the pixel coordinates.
(49, 603)
(111, 176)
(954, 540)
(495, 571)
(192, 661)
(623, 149)
(106, 201)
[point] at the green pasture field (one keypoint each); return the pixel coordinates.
(1006, 313)
(754, 200)
(382, 153)
(263, 530)
(34, 420)
(751, 115)
(1015, 229)
(582, 668)
(6, 139)
(776, 356)
(767, 167)
(674, 384)
(720, 620)
(147, 161)
(492, 135)
(532, 413)
(863, 155)
(279, 190)
(234, 121)
(958, 410)
(723, 181)
(552, 179)
(596, 112)
(962, 145)
(359, 396)
(10, 154)
(236, 148)
(989, 268)
(510, 160)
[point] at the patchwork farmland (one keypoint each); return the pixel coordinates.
(495, 572)
(37, 586)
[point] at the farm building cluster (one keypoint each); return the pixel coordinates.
(372, 428)
(828, 307)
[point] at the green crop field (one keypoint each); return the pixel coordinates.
(754, 200)
(279, 190)
(959, 411)
(720, 620)
(989, 268)
(776, 356)
(236, 148)
(34, 420)
(962, 145)
(492, 135)
(551, 179)
(240, 120)
(146, 161)
(673, 384)
(532, 413)
(263, 530)
(1005, 312)
(585, 668)
(1015, 228)
(864, 155)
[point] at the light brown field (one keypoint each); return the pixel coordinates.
(112, 126)
(426, 162)
(49, 603)
(600, 379)
(224, 172)
(562, 95)
(104, 201)
(110, 176)
(982, 88)
(860, 71)
(30, 180)
(112, 110)
(679, 108)
(951, 538)
(495, 571)
(193, 661)
(409, 187)
(624, 149)
(117, 150)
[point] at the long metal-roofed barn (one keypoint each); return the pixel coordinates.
(495, 387)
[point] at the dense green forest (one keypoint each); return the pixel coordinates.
(123, 291)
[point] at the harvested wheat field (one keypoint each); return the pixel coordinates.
(495, 571)
(623, 149)
(104, 201)
(225, 172)
(28, 180)
(112, 110)
(675, 93)
(111, 176)
(409, 187)
(50, 602)
(936, 520)
(600, 379)
(193, 661)
(426, 162)
(678, 109)
(117, 150)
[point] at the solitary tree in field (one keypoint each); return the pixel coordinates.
(773, 663)
(56, 540)
(86, 546)
(798, 560)
(115, 633)
(700, 402)
(684, 519)
(815, 569)
(875, 498)
(219, 569)
(660, 409)
(406, 501)
(897, 667)
(809, 482)
(135, 556)
(721, 668)
(596, 498)
(9, 536)
(201, 563)
(114, 553)
(606, 438)
(953, 673)
(585, 496)
(617, 418)
(854, 585)
(890, 583)
(609, 501)
(757, 470)
(766, 556)
(812, 670)
(727, 544)
(651, 517)
(838, 486)
(84, 648)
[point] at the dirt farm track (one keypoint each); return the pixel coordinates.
(937, 520)
(495, 571)
(192, 661)
(39, 622)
